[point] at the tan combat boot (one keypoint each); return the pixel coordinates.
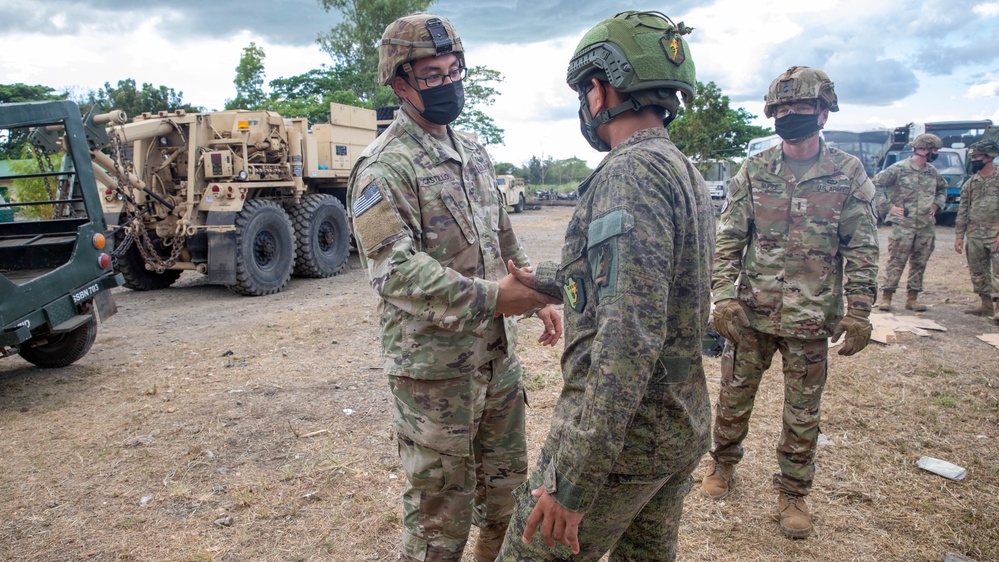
(984, 309)
(911, 304)
(719, 481)
(487, 546)
(795, 521)
(885, 300)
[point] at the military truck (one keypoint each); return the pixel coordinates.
(55, 259)
(512, 191)
(246, 198)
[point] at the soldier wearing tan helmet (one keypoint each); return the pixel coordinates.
(436, 242)
(978, 221)
(797, 235)
(909, 194)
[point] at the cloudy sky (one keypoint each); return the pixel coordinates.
(893, 61)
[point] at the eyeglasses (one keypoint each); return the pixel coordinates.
(435, 80)
(795, 108)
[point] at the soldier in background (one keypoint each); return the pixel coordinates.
(978, 220)
(436, 243)
(798, 230)
(633, 417)
(909, 194)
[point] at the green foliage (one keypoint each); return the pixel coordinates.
(506, 168)
(249, 79)
(478, 93)
(133, 101)
(709, 129)
(13, 146)
(26, 190)
(554, 172)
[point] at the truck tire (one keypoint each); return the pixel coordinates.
(322, 236)
(59, 350)
(133, 268)
(265, 249)
(519, 207)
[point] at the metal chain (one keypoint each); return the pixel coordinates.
(45, 166)
(135, 230)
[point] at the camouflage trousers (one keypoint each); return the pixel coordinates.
(908, 245)
(983, 264)
(463, 446)
(742, 368)
(633, 517)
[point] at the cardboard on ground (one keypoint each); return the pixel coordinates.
(885, 325)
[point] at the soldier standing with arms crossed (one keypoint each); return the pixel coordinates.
(633, 418)
(978, 220)
(435, 241)
(909, 194)
(798, 219)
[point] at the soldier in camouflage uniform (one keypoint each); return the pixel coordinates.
(978, 220)
(435, 242)
(797, 232)
(909, 193)
(633, 417)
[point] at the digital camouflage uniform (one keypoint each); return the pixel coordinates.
(978, 222)
(633, 418)
(912, 236)
(785, 248)
(434, 239)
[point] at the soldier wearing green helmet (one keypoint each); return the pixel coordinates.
(909, 194)
(633, 419)
(978, 222)
(798, 234)
(436, 242)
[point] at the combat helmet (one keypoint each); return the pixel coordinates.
(800, 83)
(927, 140)
(414, 37)
(985, 148)
(642, 54)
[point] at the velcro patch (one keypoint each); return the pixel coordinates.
(368, 198)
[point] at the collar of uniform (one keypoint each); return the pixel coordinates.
(635, 138)
(437, 151)
(822, 167)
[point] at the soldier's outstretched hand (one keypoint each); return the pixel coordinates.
(517, 298)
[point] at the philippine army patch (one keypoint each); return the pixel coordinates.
(575, 293)
(673, 46)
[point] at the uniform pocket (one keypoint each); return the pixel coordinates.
(434, 413)
(459, 213)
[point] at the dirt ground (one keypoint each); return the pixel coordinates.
(205, 426)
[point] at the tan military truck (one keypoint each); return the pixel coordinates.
(247, 198)
(512, 190)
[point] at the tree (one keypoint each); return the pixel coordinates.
(353, 43)
(128, 98)
(249, 79)
(709, 129)
(353, 46)
(13, 144)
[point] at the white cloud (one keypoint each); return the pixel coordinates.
(988, 9)
(986, 90)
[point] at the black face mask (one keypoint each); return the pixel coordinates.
(442, 104)
(797, 126)
(977, 166)
(931, 156)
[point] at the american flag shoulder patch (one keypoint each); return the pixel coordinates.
(368, 198)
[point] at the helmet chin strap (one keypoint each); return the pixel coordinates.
(594, 121)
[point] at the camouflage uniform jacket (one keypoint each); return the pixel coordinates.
(634, 280)
(784, 244)
(914, 189)
(434, 240)
(978, 215)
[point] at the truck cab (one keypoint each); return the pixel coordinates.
(55, 256)
(512, 191)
